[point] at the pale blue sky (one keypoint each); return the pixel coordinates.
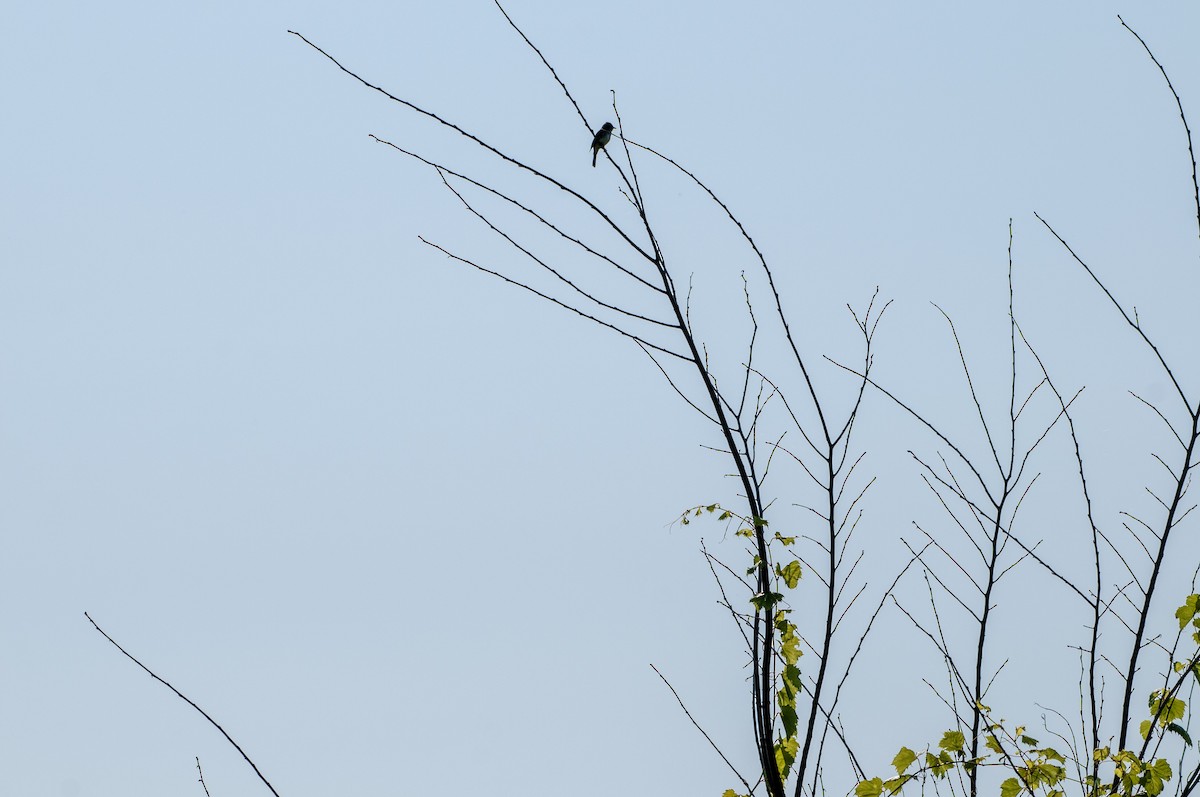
(402, 529)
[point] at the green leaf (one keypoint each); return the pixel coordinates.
(730, 793)
(993, 744)
(1051, 753)
(1166, 709)
(952, 741)
(785, 754)
(1145, 728)
(791, 574)
(1029, 740)
(1175, 727)
(789, 647)
(1162, 768)
(903, 760)
(1049, 773)
(1175, 710)
(869, 788)
(1127, 758)
(1188, 610)
(791, 675)
(764, 601)
(791, 720)
(939, 764)
(786, 697)
(1010, 788)
(894, 785)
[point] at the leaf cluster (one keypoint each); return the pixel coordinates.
(1040, 770)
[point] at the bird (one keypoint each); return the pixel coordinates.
(603, 136)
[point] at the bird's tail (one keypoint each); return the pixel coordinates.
(595, 153)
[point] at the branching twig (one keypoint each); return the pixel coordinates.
(187, 700)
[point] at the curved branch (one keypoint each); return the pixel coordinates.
(187, 700)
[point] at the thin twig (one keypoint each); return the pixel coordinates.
(187, 700)
(703, 732)
(202, 783)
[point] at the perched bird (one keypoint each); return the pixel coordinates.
(603, 136)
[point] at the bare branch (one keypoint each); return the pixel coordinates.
(703, 732)
(187, 700)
